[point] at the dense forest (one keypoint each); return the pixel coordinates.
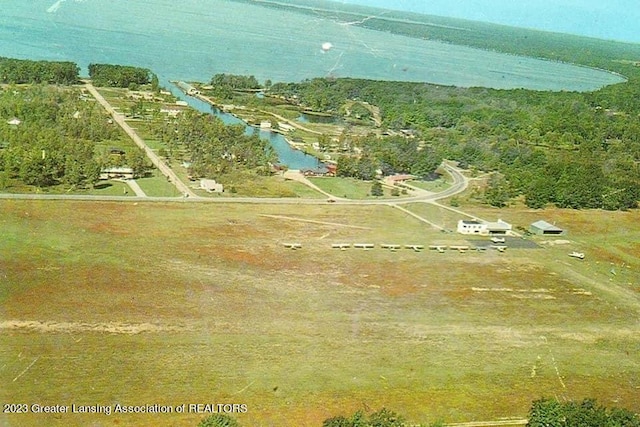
(388, 156)
(48, 137)
(122, 76)
(224, 85)
(575, 150)
(19, 71)
(213, 148)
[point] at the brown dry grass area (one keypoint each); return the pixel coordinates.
(200, 303)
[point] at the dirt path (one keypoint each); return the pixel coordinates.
(70, 327)
(295, 175)
(624, 297)
(334, 224)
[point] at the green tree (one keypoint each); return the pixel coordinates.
(425, 162)
(588, 413)
(498, 191)
(546, 413)
(376, 189)
(381, 418)
(137, 161)
(155, 83)
(219, 420)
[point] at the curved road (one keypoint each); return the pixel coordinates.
(460, 183)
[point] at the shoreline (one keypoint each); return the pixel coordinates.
(292, 145)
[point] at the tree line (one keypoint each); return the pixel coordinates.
(212, 148)
(588, 413)
(123, 76)
(388, 156)
(570, 149)
(48, 137)
(224, 86)
(21, 71)
(543, 413)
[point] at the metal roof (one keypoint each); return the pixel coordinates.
(544, 225)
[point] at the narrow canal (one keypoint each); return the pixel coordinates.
(287, 155)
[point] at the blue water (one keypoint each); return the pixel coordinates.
(194, 39)
(292, 158)
(287, 155)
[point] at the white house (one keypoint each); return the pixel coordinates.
(188, 89)
(471, 227)
(483, 228)
(211, 186)
(117, 172)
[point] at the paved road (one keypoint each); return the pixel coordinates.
(135, 187)
(157, 162)
(459, 185)
(460, 182)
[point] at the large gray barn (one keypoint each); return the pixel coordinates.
(544, 228)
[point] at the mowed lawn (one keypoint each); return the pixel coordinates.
(150, 303)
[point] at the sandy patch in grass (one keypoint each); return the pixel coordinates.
(555, 242)
(69, 327)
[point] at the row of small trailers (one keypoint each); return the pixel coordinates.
(396, 247)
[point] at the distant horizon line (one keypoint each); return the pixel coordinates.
(306, 5)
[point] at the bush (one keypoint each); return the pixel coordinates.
(219, 420)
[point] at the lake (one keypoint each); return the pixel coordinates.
(194, 39)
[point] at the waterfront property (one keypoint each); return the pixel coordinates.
(188, 89)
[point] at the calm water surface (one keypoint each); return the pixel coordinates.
(194, 39)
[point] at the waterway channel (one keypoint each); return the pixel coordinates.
(287, 155)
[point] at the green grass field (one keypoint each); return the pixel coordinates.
(145, 303)
(436, 185)
(348, 188)
(157, 185)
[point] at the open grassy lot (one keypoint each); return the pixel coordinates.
(157, 185)
(145, 303)
(348, 188)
